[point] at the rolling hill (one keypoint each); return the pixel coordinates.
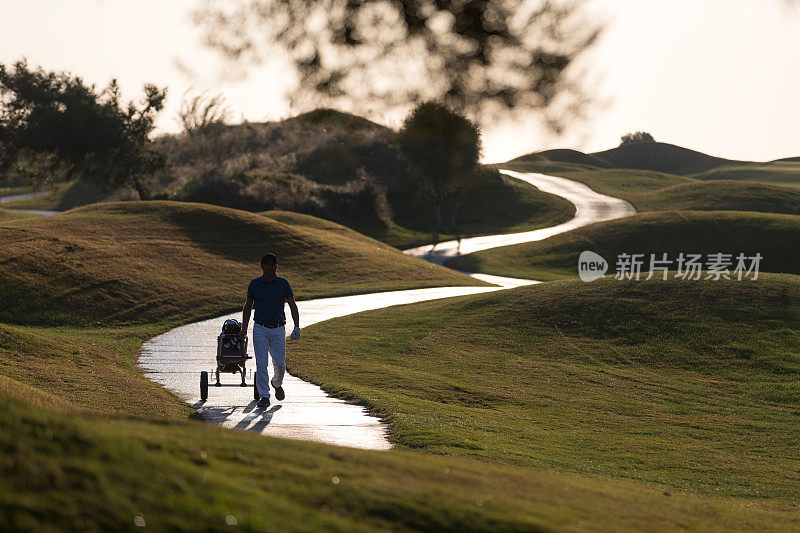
(621, 396)
(688, 383)
(136, 262)
(774, 236)
(661, 157)
(656, 156)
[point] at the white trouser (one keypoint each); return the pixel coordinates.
(269, 341)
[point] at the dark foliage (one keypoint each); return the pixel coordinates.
(359, 203)
(638, 137)
(443, 147)
(483, 56)
(53, 118)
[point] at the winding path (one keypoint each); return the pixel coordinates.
(175, 358)
(590, 207)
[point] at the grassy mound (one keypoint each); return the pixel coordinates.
(499, 204)
(87, 472)
(721, 196)
(782, 172)
(690, 384)
(661, 157)
(774, 236)
(563, 155)
(658, 191)
(89, 369)
(142, 262)
(11, 214)
(656, 156)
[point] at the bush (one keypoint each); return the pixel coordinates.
(638, 137)
(360, 202)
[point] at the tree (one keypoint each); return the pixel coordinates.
(485, 57)
(444, 147)
(55, 117)
(638, 137)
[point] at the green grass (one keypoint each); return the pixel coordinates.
(64, 196)
(11, 191)
(88, 442)
(11, 214)
(656, 191)
(656, 156)
(622, 183)
(777, 172)
(83, 471)
(565, 156)
(693, 385)
(722, 195)
(504, 206)
(775, 237)
(144, 262)
(86, 369)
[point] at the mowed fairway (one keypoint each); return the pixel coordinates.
(775, 237)
(68, 470)
(82, 290)
(693, 385)
(89, 443)
(142, 262)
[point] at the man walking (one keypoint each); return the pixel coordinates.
(269, 292)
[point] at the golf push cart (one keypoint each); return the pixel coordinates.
(231, 358)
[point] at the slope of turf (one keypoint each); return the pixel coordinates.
(775, 237)
(656, 156)
(141, 262)
(13, 190)
(662, 157)
(78, 471)
(88, 369)
(689, 384)
(722, 195)
(563, 155)
(505, 205)
(784, 172)
(11, 214)
(657, 191)
(63, 196)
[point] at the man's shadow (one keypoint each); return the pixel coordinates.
(261, 421)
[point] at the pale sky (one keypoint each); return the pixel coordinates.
(719, 76)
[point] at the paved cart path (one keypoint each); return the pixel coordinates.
(176, 358)
(590, 207)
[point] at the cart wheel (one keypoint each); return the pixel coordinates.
(256, 395)
(204, 385)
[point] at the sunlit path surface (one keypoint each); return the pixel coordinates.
(590, 207)
(176, 358)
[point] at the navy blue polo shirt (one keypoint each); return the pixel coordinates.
(269, 298)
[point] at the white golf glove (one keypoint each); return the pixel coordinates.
(295, 334)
